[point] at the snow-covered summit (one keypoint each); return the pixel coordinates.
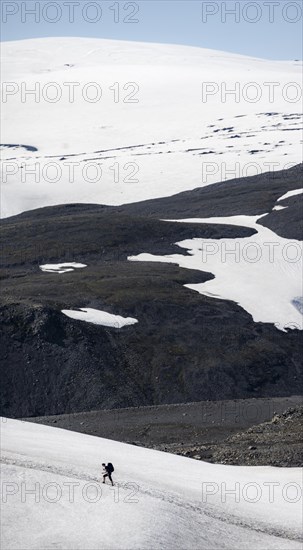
(85, 52)
(115, 122)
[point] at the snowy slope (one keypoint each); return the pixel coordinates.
(151, 133)
(158, 500)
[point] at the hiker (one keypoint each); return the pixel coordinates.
(107, 472)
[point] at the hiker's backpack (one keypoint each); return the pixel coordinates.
(110, 468)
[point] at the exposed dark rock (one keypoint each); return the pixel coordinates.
(240, 432)
(185, 347)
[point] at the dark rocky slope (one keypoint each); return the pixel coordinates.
(251, 196)
(185, 347)
(274, 443)
(263, 431)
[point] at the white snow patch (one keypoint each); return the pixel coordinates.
(61, 268)
(290, 194)
(98, 317)
(279, 207)
(261, 273)
(160, 501)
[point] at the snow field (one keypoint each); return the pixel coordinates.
(140, 121)
(157, 499)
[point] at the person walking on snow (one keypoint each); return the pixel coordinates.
(107, 472)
